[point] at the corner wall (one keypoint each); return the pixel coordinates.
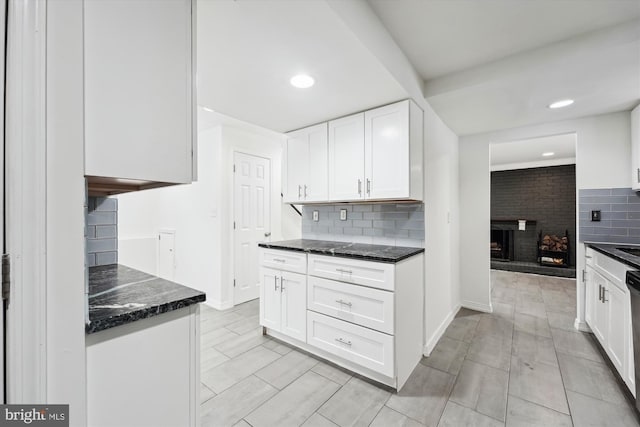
(602, 161)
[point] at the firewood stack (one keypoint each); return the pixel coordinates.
(554, 243)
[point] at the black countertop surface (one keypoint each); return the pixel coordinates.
(611, 249)
(120, 295)
(379, 253)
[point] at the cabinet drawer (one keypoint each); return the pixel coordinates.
(374, 274)
(615, 270)
(368, 348)
(364, 306)
(295, 262)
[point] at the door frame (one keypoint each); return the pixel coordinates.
(235, 150)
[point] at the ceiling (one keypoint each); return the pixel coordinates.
(248, 51)
(497, 64)
(487, 65)
(527, 153)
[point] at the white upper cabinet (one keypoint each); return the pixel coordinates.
(346, 158)
(139, 62)
(305, 169)
(393, 152)
(635, 148)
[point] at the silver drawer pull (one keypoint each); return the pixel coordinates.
(339, 301)
(279, 260)
(344, 271)
(340, 340)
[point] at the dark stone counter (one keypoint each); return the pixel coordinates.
(120, 295)
(611, 249)
(379, 253)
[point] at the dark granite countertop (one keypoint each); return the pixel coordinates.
(379, 253)
(120, 295)
(611, 249)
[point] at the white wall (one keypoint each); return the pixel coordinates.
(442, 287)
(602, 161)
(201, 215)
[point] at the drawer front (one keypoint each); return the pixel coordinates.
(616, 270)
(364, 306)
(374, 274)
(367, 348)
(293, 261)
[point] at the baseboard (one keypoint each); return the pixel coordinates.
(472, 305)
(431, 342)
(218, 305)
(581, 326)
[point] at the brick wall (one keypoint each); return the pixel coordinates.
(102, 231)
(400, 224)
(545, 195)
(620, 215)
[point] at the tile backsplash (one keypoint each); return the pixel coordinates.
(102, 231)
(620, 215)
(400, 224)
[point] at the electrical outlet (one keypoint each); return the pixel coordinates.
(343, 214)
(316, 216)
(596, 216)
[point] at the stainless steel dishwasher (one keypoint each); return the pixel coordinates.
(633, 283)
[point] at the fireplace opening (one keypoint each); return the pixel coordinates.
(502, 245)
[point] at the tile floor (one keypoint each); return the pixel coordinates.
(523, 365)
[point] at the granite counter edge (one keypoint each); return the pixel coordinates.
(388, 260)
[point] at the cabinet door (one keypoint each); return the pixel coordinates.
(139, 117)
(387, 152)
(600, 310)
(617, 335)
(297, 165)
(316, 187)
(346, 158)
(294, 305)
(635, 148)
(270, 298)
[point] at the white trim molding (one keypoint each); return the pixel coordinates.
(433, 340)
(472, 305)
(26, 201)
(581, 325)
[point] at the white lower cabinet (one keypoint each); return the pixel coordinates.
(283, 298)
(608, 312)
(365, 316)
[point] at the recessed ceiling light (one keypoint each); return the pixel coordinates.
(548, 153)
(560, 104)
(302, 81)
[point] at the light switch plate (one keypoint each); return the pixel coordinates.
(316, 216)
(343, 214)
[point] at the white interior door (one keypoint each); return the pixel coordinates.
(167, 254)
(252, 221)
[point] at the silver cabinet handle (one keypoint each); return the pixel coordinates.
(342, 341)
(279, 260)
(275, 283)
(599, 292)
(348, 304)
(368, 186)
(305, 191)
(344, 271)
(299, 191)
(281, 284)
(359, 186)
(583, 274)
(267, 234)
(588, 256)
(604, 298)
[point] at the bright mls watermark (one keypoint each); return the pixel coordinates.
(34, 415)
